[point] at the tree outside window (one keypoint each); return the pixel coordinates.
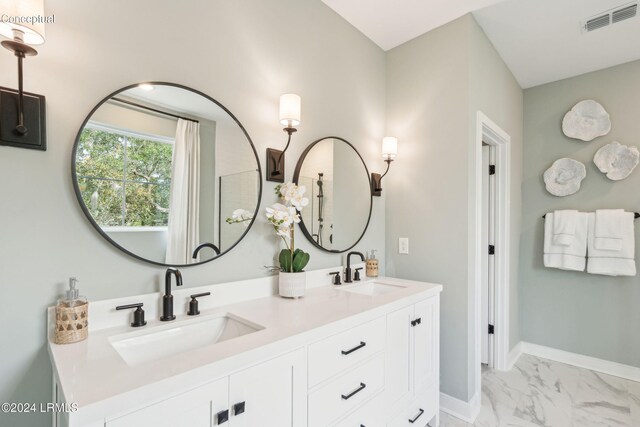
(124, 178)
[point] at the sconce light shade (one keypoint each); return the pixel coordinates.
(18, 15)
(290, 118)
(290, 110)
(389, 152)
(389, 147)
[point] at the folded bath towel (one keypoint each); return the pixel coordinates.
(564, 227)
(608, 262)
(608, 229)
(571, 257)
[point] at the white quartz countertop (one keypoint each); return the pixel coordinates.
(92, 374)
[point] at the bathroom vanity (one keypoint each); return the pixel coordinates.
(364, 354)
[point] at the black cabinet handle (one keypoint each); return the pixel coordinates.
(358, 347)
(354, 392)
(417, 416)
(222, 417)
(238, 408)
(416, 321)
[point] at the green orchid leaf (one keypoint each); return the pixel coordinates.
(300, 261)
(285, 260)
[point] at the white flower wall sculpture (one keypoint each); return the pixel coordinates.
(617, 160)
(586, 121)
(564, 177)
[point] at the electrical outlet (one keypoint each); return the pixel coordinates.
(403, 245)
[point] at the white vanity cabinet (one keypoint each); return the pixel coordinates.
(339, 357)
(191, 409)
(270, 394)
(412, 364)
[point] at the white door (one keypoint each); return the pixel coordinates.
(272, 394)
(488, 270)
(195, 408)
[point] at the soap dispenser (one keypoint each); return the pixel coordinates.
(372, 264)
(72, 316)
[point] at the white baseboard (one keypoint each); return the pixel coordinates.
(599, 365)
(514, 355)
(466, 411)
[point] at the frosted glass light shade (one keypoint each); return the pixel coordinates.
(26, 16)
(290, 109)
(389, 147)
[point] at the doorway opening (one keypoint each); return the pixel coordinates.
(490, 256)
(487, 295)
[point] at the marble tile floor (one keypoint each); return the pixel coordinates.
(540, 392)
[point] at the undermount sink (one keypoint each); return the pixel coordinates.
(372, 288)
(167, 340)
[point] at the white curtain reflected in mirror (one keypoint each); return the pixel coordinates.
(183, 230)
(148, 171)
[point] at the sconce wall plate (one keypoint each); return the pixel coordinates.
(376, 184)
(34, 120)
(272, 158)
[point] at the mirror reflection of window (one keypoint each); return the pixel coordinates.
(125, 177)
(159, 171)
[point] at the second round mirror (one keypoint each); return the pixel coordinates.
(339, 192)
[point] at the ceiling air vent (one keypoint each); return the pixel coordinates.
(624, 13)
(611, 16)
(597, 22)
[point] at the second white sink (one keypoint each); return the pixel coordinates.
(166, 340)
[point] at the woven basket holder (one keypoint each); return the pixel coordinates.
(71, 324)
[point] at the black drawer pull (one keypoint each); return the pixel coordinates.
(238, 408)
(358, 347)
(354, 392)
(417, 416)
(416, 321)
(222, 417)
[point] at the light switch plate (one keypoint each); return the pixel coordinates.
(403, 245)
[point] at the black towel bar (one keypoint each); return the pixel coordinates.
(635, 214)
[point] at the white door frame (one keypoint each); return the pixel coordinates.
(492, 134)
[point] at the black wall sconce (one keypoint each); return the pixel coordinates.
(389, 152)
(22, 114)
(289, 117)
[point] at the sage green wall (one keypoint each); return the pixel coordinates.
(239, 52)
(495, 92)
(587, 314)
(435, 85)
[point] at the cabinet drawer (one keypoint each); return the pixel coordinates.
(421, 410)
(369, 415)
(345, 350)
(346, 393)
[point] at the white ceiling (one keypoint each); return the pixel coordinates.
(180, 101)
(541, 40)
(390, 23)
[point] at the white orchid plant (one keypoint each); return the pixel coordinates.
(283, 216)
(240, 216)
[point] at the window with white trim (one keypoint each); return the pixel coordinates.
(124, 177)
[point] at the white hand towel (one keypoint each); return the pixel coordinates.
(608, 229)
(564, 227)
(571, 257)
(613, 263)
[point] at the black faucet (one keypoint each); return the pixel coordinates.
(347, 271)
(167, 299)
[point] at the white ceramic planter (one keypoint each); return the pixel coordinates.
(292, 285)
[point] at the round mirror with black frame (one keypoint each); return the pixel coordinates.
(166, 174)
(339, 191)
